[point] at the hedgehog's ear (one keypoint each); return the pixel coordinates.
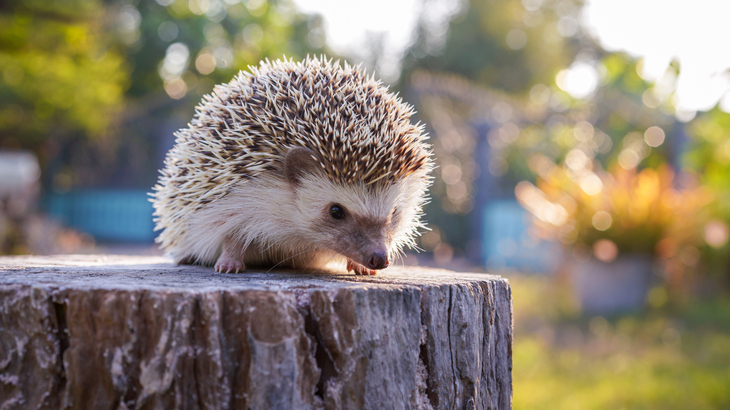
(299, 161)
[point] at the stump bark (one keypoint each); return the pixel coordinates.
(124, 332)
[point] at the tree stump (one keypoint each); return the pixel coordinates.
(124, 332)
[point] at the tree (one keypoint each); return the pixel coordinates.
(59, 73)
(504, 45)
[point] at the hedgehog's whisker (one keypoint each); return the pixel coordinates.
(341, 254)
(290, 257)
(335, 254)
(310, 262)
(263, 251)
(398, 258)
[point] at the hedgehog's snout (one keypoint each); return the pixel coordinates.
(378, 259)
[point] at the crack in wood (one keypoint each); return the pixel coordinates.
(59, 309)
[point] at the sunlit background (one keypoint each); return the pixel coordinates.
(583, 152)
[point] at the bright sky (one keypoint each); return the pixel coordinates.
(349, 23)
(696, 32)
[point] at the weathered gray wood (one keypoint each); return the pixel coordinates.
(139, 332)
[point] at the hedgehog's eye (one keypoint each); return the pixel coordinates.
(337, 211)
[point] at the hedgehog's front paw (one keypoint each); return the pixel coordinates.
(228, 265)
(359, 269)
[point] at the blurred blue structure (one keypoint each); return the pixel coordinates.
(507, 244)
(107, 215)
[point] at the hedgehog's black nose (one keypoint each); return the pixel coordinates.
(378, 260)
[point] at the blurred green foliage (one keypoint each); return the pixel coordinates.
(515, 60)
(59, 73)
(504, 45)
(667, 357)
(96, 88)
(708, 155)
(236, 34)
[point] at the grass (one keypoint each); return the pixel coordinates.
(673, 356)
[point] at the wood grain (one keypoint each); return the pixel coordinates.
(124, 332)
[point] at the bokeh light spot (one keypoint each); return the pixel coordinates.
(502, 112)
(716, 234)
(580, 80)
(223, 57)
(443, 254)
(253, 33)
(584, 131)
(649, 99)
(198, 6)
(576, 160)
(540, 94)
(257, 8)
(457, 192)
(167, 31)
(205, 63)
(451, 174)
(534, 201)
(628, 158)
(602, 220)
(654, 136)
(591, 184)
(430, 240)
(176, 88)
(516, 39)
(605, 250)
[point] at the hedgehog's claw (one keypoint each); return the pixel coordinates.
(228, 266)
(359, 269)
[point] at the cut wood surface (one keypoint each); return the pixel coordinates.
(126, 332)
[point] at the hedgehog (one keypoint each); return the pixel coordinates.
(295, 165)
